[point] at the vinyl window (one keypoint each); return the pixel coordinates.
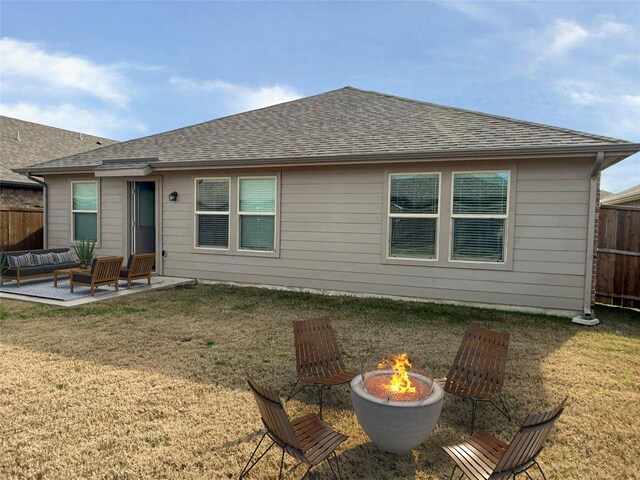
(212, 213)
(479, 216)
(84, 210)
(413, 215)
(257, 213)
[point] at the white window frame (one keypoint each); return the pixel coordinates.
(413, 215)
(260, 214)
(200, 212)
(96, 211)
(504, 217)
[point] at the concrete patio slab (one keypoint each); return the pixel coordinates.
(160, 283)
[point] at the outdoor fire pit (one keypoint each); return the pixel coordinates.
(396, 407)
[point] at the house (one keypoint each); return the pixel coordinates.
(351, 191)
(627, 198)
(604, 194)
(24, 143)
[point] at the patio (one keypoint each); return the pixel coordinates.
(44, 291)
(152, 386)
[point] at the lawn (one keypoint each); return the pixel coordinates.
(152, 386)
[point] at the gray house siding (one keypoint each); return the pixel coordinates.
(332, 234)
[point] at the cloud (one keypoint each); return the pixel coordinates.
(72, 117)
(617, 111)
(565, 35)
(31, 63)
(239, 98)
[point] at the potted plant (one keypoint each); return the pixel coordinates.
(85, 250)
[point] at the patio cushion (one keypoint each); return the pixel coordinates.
(25, 260)
(24, 271)
(60, 266)
(124, 272)
(66, 257)
(48, 250)
(42, 259)
(82, 277)
(62, 257)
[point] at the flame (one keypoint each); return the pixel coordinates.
(400, 381)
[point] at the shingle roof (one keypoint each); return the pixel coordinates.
(341, 123)
(606, 194)
(628, 195)
(25, 143)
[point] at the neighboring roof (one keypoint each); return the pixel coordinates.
(605, 194)
(25, 143)
(629, 195)
(340, 125)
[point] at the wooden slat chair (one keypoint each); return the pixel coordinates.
(318, 359)
(308, 439)
(104, 271)
(478, 370)
(484, 457)
(139, 266)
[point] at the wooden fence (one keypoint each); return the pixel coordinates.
(20, 228)
(618, 267)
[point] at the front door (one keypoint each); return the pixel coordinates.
(143, 217)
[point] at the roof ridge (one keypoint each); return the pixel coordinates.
(491, 115)
(58, 128)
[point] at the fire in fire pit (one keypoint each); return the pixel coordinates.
(399, 385)
(396, 406)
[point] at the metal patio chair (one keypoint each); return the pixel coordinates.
(478, 370)
(318, 359)
(484, 457)
(307, 439)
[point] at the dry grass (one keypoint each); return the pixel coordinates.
(152, 386)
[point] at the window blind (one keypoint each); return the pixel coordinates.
(478, 239)
(257, 213)
(257, 195)
(414, 194)
(212, 195)
(85, 226)
(85, 196)
(212, 213)
(213, 231)
(413, 215)
(480, 202)
(480, 193)
(84, 208)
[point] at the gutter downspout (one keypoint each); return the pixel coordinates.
(45, 219)
(588, 318)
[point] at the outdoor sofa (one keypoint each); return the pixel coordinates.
(37, 263)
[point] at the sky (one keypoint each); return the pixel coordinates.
(128, 69)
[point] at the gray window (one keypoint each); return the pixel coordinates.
(413, 215)
(84, 209)
(257, 213)
(479, 214)
(212, 213)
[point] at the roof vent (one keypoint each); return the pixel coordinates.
(98, 142)
(18, 136)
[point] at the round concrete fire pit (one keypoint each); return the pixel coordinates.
(396, 426)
